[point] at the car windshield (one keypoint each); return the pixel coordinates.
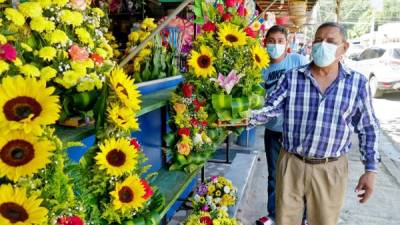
(396, 53)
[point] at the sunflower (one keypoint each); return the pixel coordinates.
(260, 57)
(202, 62)
(123, 117)
(117, 156)
(23, 154)
(129, 195)
(17, 208)
(125, 89)
(27, 104)
(231, 35)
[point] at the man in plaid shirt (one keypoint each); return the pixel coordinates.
(323, 103)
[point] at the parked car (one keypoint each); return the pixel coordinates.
(381, 65)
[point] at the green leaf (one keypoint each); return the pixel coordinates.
(199, 21)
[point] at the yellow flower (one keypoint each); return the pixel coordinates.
(26, 47)
(60, 3)
(123, 117)
(218, 193)
(148, 24)
(70, 78)
(211, 189)
(133, 36)
(227, 200)
(83, 35)
(144, 53)
(46, 73)
(73, 18)
(230, 35)
(116, 156)
(260, 57)
(44, 3)
(41, 24)
(23, 154)
(98, 12)
(17, 208)
(3, 66)
(129, 195)
(58, 37)
(47, 53)
(29, 70)
(30, 9)
(125, 89)
(179, 108)
(27, 104)
(79, 68)
(86, 85)
(202, 62)
(103, 53)
(17, 62)
(256, 26)
(3, 39)
(14, 16)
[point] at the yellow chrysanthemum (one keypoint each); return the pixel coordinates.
(29, 70)
(123, 118)
(99, 12)
(231, 35)
(202, 62)
(69, 79)
(129, 195)
(3, 39)
(14, 16)
(23, 154)
(89, 82)
(30, 9)
(125, 89)
(58, 37)
(46, 73)
(41, 24)
(16, 208)
(47, 53)
(148, 24)
(44, 3)
(116, 156)
(27, 104)
(103, 53)
(260, 56)
(3, 66)
(60, 3)
(26, 47)
(73, 18)
(17, 62)
(83, 35)
(133, 36)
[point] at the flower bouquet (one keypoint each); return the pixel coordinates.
(216, 218)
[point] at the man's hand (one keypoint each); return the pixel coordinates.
(365, 186)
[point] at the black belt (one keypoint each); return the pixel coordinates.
(316, 161)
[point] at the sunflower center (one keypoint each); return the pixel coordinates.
(125, 194)
(257, 58)
(204, 61)
(122, 89)
(116, 157)
(21, 107)
(231, 38)
(13, 212)
(17, 153)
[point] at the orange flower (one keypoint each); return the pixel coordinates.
(179, 108)
(78, 54)
(97, 58)
(183, 148)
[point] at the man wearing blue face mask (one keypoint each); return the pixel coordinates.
(323, 104)
(276, 40)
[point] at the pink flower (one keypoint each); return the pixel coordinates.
(78, 54)
(242, 10)
(78, 4)
(229, 81)
(227, 17)
(70, 220)
(220, 8)
(250, 32)
(214, 179)
(209, 27)
(8, 52)
(230, 3)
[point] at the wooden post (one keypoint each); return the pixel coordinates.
(338, 4)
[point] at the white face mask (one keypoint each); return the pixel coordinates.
(275, 50)
(324, 54)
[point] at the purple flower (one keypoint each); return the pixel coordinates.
(202, 190)
(205, 208)
(229, 81)
(186, 48)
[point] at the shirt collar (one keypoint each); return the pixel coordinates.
(344, 71)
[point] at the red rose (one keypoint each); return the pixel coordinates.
(97, 58)
(250, 32)
(204, 123)
(135, 144)
(187, 90)
(230, 3)
(148, 190)
(184, 131)
(206, 220)
(197, 105)
(8, 52)
(227, 17)
(209, 27)
(194, 122)
(70, 220)
(220, 8)
(242, 10)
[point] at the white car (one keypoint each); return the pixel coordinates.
(381, 65)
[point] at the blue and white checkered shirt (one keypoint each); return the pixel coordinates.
(321, 125)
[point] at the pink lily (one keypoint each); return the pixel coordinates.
(229, 81)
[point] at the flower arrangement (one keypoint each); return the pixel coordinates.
(224, 77)
(217, 218)
(217, 193)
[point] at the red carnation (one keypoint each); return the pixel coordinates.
(187, 90)
(8, 52)
(230, 3)
(242, 10)
(250, 32)
(135, 144)
(194, 122)
(97, 58)
(70, 220)
(227, 17)
(206, 220)
(184, 131)
(197, 105)
(209, 27)
(148, 190)
(204, 123)
(220, 8)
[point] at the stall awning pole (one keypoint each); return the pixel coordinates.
(136, 50)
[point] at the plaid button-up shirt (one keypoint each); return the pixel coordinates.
(321, 125)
